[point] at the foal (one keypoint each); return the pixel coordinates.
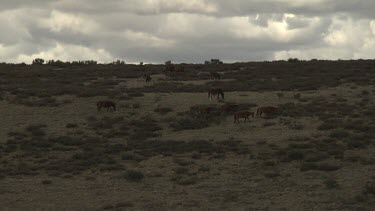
(106, 104)
(242, 114)
(215, 92)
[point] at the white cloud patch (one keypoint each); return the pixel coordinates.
(162, 6)
(60, 21)
(146, 39)
(186, 31)
(372, 27)
(68, 53)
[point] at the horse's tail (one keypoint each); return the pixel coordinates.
(222, 95)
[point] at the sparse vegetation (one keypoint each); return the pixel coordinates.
(166, 136)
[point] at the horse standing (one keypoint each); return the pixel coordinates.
(106, 104)
(215, 92)
(242, 114)
(266, 110)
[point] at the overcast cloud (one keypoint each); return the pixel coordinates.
(186, 31)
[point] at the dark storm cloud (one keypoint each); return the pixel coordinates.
(186, 31)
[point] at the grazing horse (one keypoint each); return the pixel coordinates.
(215, 92)
(106, 104)
(215, 75)
(242, 114)
(266, 110)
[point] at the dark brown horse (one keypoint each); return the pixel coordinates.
(242, 114)
(215, 92)
(215, 75)
(106, 104)
(266, 110)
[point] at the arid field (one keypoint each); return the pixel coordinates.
(162, 150)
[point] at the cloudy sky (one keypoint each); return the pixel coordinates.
(186, 30)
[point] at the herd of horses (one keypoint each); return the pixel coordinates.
(111, 106)
(205, 111)
(212, 93)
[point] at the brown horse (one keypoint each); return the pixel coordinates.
(242, 114)
(266, 110)
(215, 92)
(215, 75)
(106, 104)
